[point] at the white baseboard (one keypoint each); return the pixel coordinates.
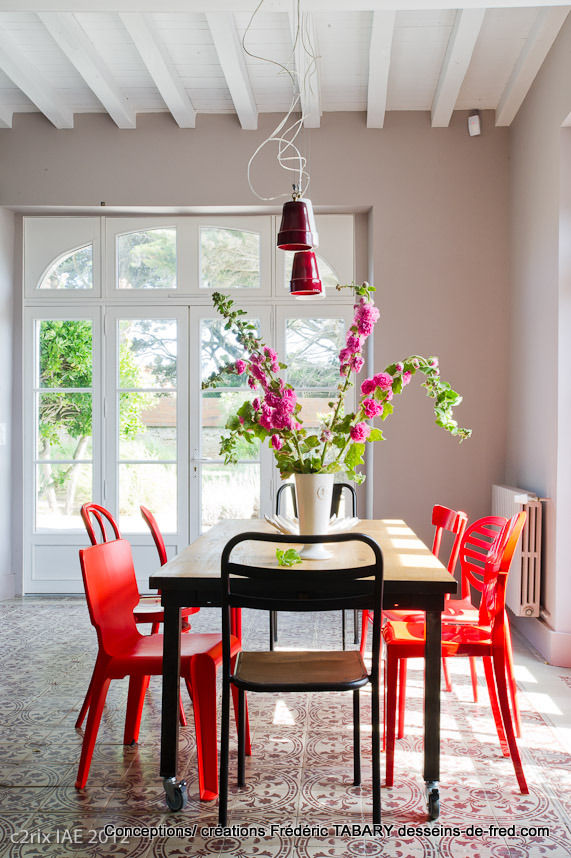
(554, 646)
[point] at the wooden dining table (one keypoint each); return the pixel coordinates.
(413, 579)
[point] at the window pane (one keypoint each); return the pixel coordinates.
(219, 347)
(60, 492)
(328, 277)
(312, 351)
(147, 260)
(64, 426)
(147, 353)
(147, 426)
(65, 353)
(229, 258)
(154, 486)
(314, 406)
(217, 406)
(229, 492)
(72, 271)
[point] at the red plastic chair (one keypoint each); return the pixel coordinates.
(111, 590)
(486, 639)
(148, 608)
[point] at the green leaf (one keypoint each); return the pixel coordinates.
(354, 455)
(376, 435)
(287, 558)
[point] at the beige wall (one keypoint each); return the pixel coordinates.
(7, 256)
(540, 413)
(439, 253)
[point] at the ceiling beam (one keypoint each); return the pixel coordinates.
(145, 38)
(26, 76)
(382, 31)
(232, 59)
(544, 32)
(305, 60)
(459, 52)
(74, 42)
(269, 5)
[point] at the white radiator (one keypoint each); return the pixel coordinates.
(523, 587)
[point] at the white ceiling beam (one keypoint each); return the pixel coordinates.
(74, 42)
(544, 32)
(269, 5)
(305, 61)
(145, 38)
(26, 76)
(232, 59)
(459, 52)
(382, 31)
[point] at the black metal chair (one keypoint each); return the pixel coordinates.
(273, 588)
(338, 489)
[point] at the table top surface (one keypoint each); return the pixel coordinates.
(406, 559)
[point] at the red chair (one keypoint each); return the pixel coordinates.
(148, 608)
(111, 591)
(486, 639)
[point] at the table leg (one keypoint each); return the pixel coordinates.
(175, 792)
(432, 711)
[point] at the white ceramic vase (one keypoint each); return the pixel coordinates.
(313, 493)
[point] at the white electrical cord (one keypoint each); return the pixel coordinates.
(284, 135)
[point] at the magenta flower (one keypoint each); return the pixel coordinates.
(256, 404)
(360, 432)
(252, 383)
(353, 343)
(400, 367)
(240, 366)
(406, 377)
(383, 380)
(366, 315)
(389, 395)
(372, 407)
(277, 442)
(368, 386)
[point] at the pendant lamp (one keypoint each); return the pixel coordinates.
(297, 229)
(305, 280)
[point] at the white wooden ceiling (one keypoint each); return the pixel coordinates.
(125, 57)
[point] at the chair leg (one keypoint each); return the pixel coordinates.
(135, 699)
(85, 705)
(236, 702)
(491, 683)
(224, 744)
(402, 696)
(343, 628)
(511, 680)
(272, 639)
(203, 681)
(364, 631)
(446, 675)
(155, 628)
(356, 740)
(181, 712)
(499, 663)
(391, 673)
(474, 676)
(241, 735)
(99, 688)
(355, 626)
(376, 749)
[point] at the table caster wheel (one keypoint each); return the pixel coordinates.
(175, 794)
(433, 804)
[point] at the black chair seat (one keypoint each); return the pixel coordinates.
(306, 670)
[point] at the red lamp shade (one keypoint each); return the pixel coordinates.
(295, 229)
(305, 274)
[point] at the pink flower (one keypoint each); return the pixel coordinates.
(388, 395)
(326, 435)
(277, 442)
(368, 386)
(415, 363)
(366, 314)
(240, 366)
(256, 404)
(281, 420)
(372, 407)
(360, 432)
(272, 399)
(406, 377)
(252, 383)
(353, 342)
(266, 417)
(259, 373)
(400, 367)
(358, 363)
(383, 380)
(241, 419)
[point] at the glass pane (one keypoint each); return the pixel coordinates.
(147, 260)
(147, 352)
(64, 426)
(229, 492)
(328, 277)
(154, 486)
(60, 492)
(147, 426)
(229, 258)
(312, 351)
(219, 347)
(314, 406)
(65, 353)
(217, 405)
(72, 271)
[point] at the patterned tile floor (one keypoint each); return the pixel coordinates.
(300, 771)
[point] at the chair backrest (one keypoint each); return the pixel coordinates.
(104, 519)
(253, 580)
(338, 489)
(492, 605)
(478, 544)
(111, 591)
(453, 521)
(156, 534)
